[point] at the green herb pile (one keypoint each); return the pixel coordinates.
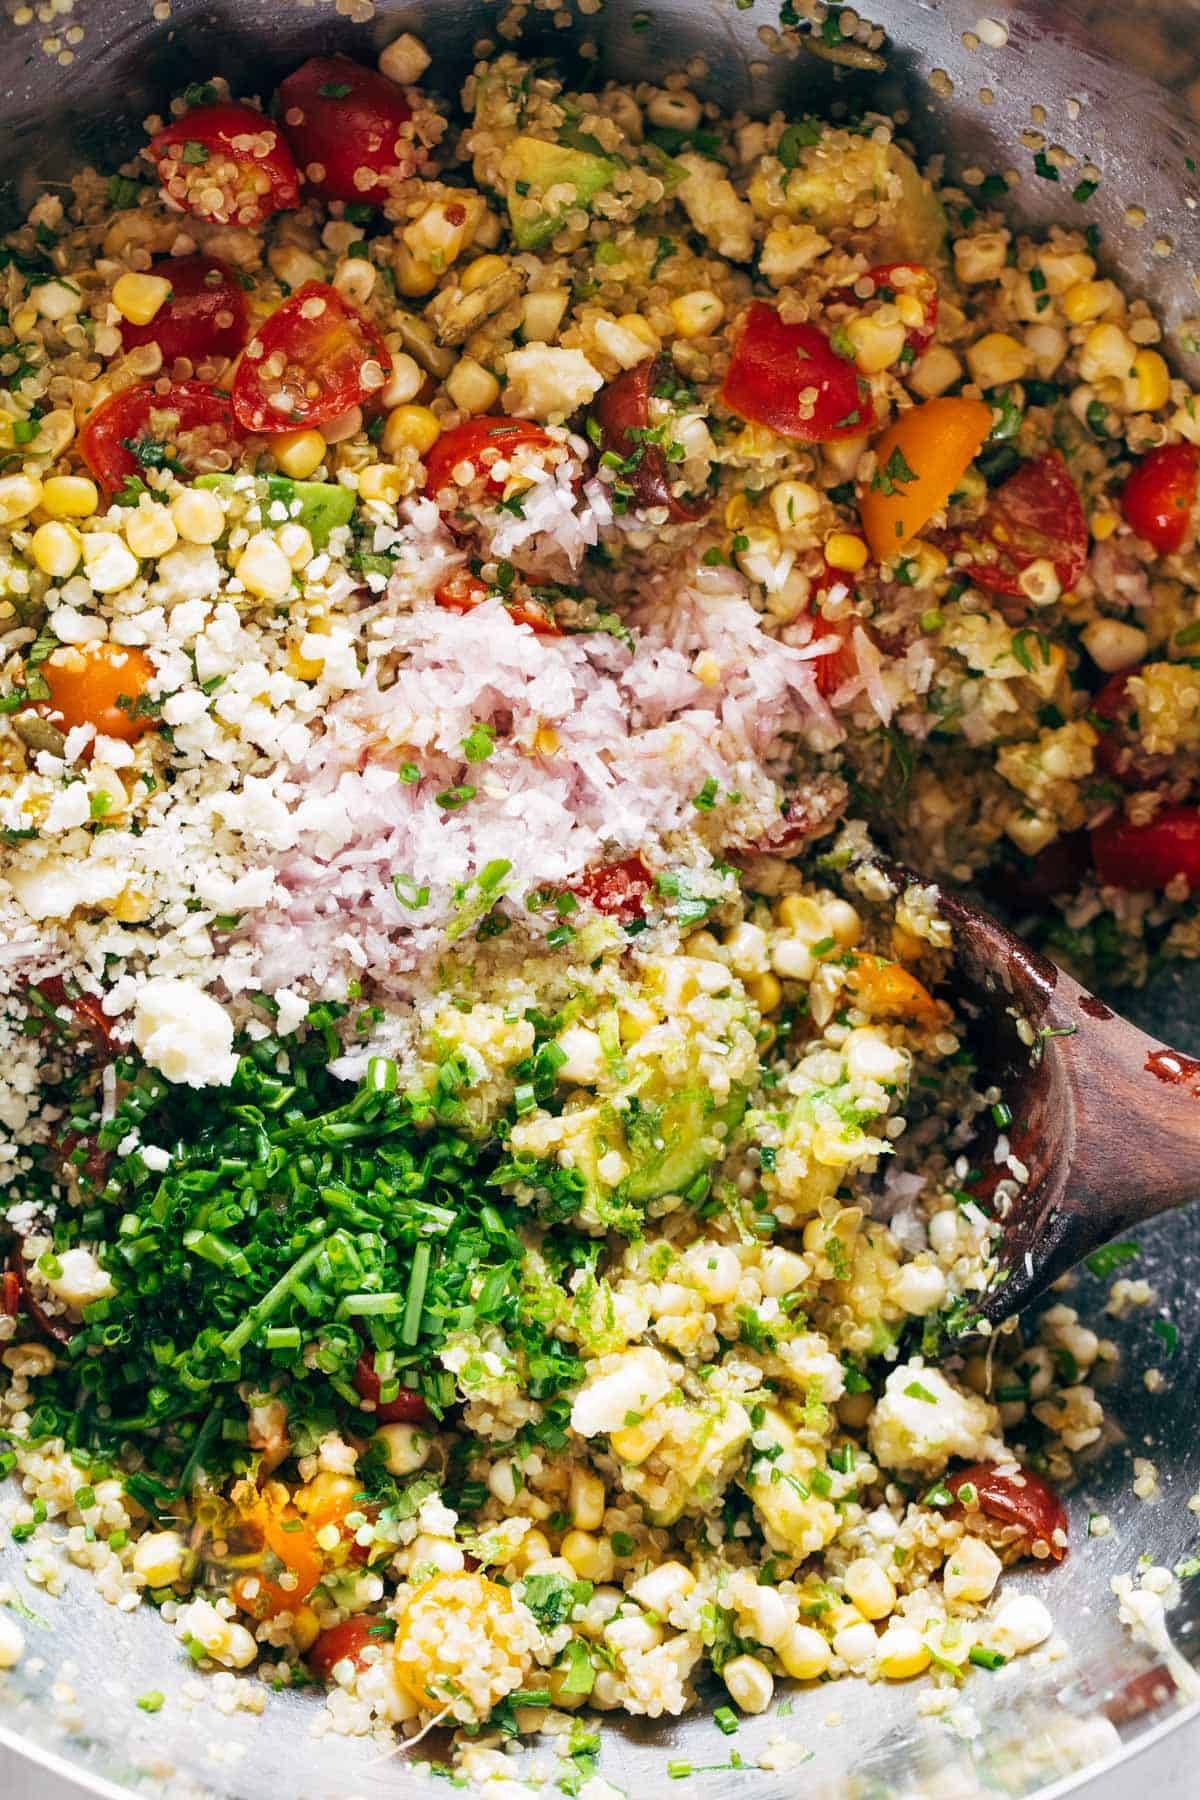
(301, 1222)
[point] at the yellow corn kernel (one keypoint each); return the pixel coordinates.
(901, 1653)
(542, 314)
(56, 549)
(70, 497)
(737, 512)
(303, 668)
(765, 991)
(697, 314)
(1102, 525)
(800, 911)
(845, 551)
(912, 313)
(19, 494)
(546, 741)
(478, 273)
(24, 320)
(591, 1557)
(305, 1628)
(803, 1653)
(1150, 386)
(634, 1443)
(410, 428)
(878, 339)
(928, 564)
(413, 278)
(1107, 351)
(150, 529)
(138, 297)
(997, 358)
(382, 481)
(870, 1588)
(1087, 300)
(587, 1500)
(641, 328)
(795, 505)
(299, 453)
(472, 388)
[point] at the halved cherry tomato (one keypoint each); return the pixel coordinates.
(347, 129)
(311, 361)
(919, 462)
(87, 1010)
(346, 1642)
(291, 1539)
(101, 685)
(1118, 753)
(10, 1294)
(619, 890)
(205, 316)
(790, 379)
(226, 163)
(179, 424)
(459, 468)
(622, 411)
(1023, 1499)
(886, 990)
(1034, 516)
(21, 1297)
(408, 1407)
(1059, 868)
(890, 281)
(1159, 493)
(1147, 858)
(463, 592)
(809, 812)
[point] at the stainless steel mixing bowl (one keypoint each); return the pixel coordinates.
(1112, 83)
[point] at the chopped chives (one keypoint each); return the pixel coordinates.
(410, 1330)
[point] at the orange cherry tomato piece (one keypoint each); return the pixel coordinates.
(311, 361)
(886, 990)
(101, 685)
(919, 461)
(789, 378)
(227, 163)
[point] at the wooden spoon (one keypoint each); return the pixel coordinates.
(1105, 1119)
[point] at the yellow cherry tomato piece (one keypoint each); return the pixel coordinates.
(100, 685)
(919, 461)
(886, 990)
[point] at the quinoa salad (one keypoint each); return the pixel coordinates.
(489, 1155)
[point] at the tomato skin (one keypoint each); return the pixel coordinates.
(87, 684)
(345, 134)
(773, 363)
(831, 670)
(900, 278)
(19, 1296)
(1036, 514)
(1028, 1502)
(622, 408)
(1159, 493)
(408, 1408)
(88, 1012)
(205, 316)
(1149, 857)
(619, 890)
(1119, 756)
(347, 1640)
(463, 592)
(10, 1294)
(481, 442)
(333, 359)
(245, 174)
(183, 406)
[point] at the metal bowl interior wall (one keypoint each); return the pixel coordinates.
(1113, 85)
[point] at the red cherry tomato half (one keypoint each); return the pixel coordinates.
(890, 280)
(56, 1327)
(1034, 516)
(619, 890)
(1059, 868)
(179, 425)
(205, 316)
(464, 592)
(408, 1408)
(459, 468)
(10, 1294)
(1159, 493)
(622, 411)
(349, 123)
(1022, 1499)
(790, 379)
(1148, 858)
(226, 163)
(346, 1641)
(311, 361)
(839, 663)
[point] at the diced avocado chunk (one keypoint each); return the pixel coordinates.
(532, 169)
(669, 1144)
(919, 229)
(324, 505)
(830, 181)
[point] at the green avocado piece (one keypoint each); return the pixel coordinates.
(532, 168)
(666, 1141)
(921, 229)
(324, 505)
